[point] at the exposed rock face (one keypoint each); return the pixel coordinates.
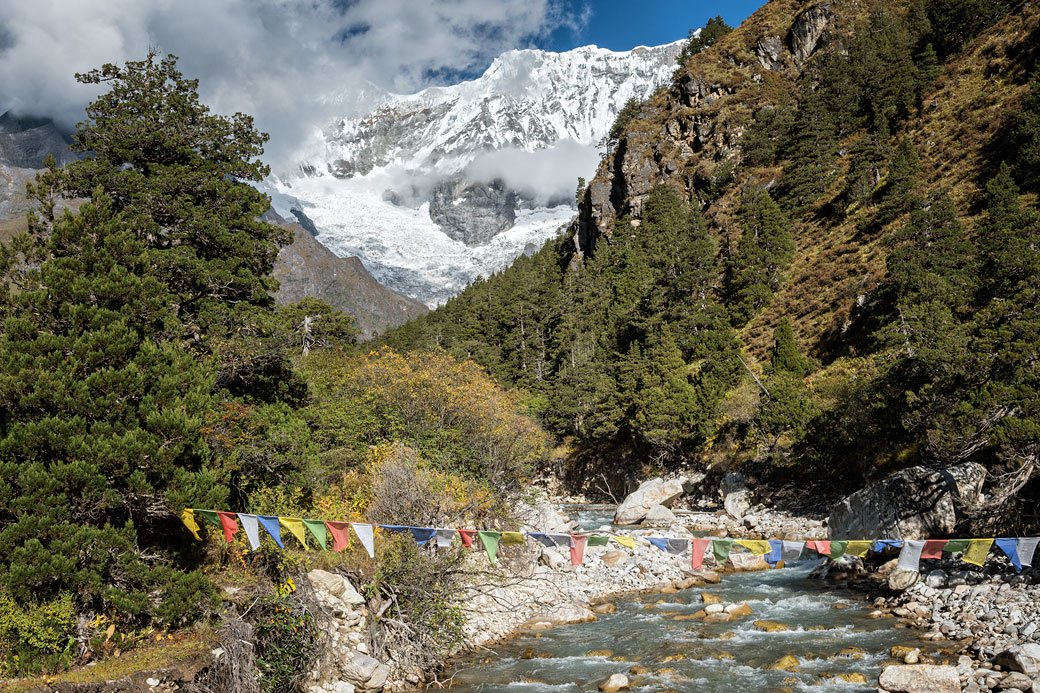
(919, 678)
(768, 51)
(807, 29)
(650, 493)
(473, 213)
(25, 142)
(915, 503)
(306, 268)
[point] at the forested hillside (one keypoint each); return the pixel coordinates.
(814, 253)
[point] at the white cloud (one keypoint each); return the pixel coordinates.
(544, 174)
(287, 62)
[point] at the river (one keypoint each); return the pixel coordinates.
(690, 655)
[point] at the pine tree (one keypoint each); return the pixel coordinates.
(928, 68)
(1007, 238)
(712, 31)
(1024, 137)
(765, 249)
(813, 149)
(868, 156)
(900, 183)
(785, 357)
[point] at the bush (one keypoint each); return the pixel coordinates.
(36, 637)
(287, 642)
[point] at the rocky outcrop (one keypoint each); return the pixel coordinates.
(650, 493)
(768, 51)
(807, 29)
(915, 503)
(306, 268)
(473, 213)
(26, 141)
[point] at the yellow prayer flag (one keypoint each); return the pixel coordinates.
(976, 551)
(627, 542)
(188, 518)
(759, 547)
(509, 538)
(858, 548)
(295, 525)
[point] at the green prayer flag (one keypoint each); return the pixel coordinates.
(490, 542)
(596, 540)
(956, 545)
(838, 548)
(721, 549)
(318, 529)
(209, 516)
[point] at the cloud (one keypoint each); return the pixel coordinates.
(293, 64)
(545, 175)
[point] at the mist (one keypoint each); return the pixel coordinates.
(545, 175)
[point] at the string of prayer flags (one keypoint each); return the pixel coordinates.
(857, 548)
(578, 548)
(670, 544)
(933, 548)
(340, 532)
(188, 518)
(700, 550)
(821, 547)
(598, 540)
(1010, 548)
(551, 540)
(512, 538)
(422, 534)
(721, 548)
(251, 529)
(756, 546)
(627, 542)
(365, 533)
(318, 531)
(882, 544)
(792, 550)
(229, 525)
(466, 537)
(977, 551)
(490, 542)
(910, 555)
(956, 545)
(1027, 550)
(295, 527)
(444, 537)
(270, 525)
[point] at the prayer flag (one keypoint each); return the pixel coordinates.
(882, 544)
(561, 540)
(466, 537)
(721, 549)
(318, 530)
(188, 518)
(340, 532)
(229, 524)
(627, 542)
(956, 545)
(270, 523)
(700, 549)
(933, 548)
(837, 549)
(251, 530)
(1010, 547)
(598, 540)
(543, 539)
(209, 516)
(755, 546)
(792, 551)
(821, 547)
(659, 542)
(365, 534)
(398, 529)
(910, 556)
(422, 534)
(1027, 549)
(512, 538)
(444, 537)
(976, 551)
(490, 542)
(577, 548)
(857, 548)
(775, 554)
(295, 527)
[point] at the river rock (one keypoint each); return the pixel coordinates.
(614, 557)
(616, 682)
(900, 580)
(785, 663)
(659, 516)
(559, 614)
(543, 517)
(747, 562)
(913, 503)
(919, 678)
(1022, 658)
(736, 496)
(770, 626)
(364, 673)
(336, 585)
(650, 493)
(1015, 682)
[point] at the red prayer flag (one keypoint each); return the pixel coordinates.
(340, 532)
(228, 523)
(933, 548)
(821, 547)
(578, 548)
(466, 536)
(700, 546)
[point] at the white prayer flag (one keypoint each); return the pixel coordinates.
(791, 551)
(444, 537)
(1027, 549)
(364, 533)
(910, 555)
(252, 533)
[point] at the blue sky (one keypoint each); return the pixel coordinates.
(624, 24)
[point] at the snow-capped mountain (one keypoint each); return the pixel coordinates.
(432, 189)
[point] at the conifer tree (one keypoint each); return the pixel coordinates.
(812, 151)
(712, 31)
(868, 156)
(785, 357)
(900, 183)
(765, 249)
(1025, 137)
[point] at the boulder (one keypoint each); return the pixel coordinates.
(919, 678)
(616, 682)
(900, 580)
(365, 673)
(914, 503)
(1021, 658)
(659, 516)
(650, 493)
(336, 585)
(736, 496)
(747, 561)
(559, 614)
(543, 517)
(614, 557)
